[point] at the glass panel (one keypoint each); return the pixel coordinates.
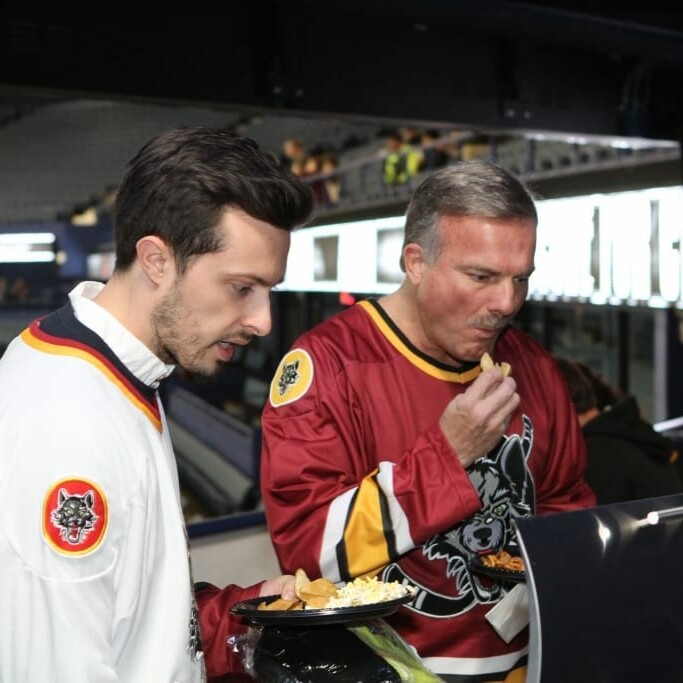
(617, 343)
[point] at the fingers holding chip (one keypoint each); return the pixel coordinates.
(311, 594)
(322, 593)
(486, 363)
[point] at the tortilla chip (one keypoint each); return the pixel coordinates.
(280, 604)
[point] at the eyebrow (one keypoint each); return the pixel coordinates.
(257, 280)
(493, 271)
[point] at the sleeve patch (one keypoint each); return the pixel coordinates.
(292, 379)
(75, 517)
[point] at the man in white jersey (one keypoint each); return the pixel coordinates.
(95, 580)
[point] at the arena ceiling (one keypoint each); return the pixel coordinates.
(79, 94)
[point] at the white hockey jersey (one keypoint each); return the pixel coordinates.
(95, 580)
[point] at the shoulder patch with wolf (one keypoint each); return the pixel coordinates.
(75, 517)
(292, 379)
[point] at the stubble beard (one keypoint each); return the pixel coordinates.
(172, 325)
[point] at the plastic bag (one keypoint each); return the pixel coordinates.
(369, 651)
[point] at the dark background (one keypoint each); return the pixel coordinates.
(557, 66)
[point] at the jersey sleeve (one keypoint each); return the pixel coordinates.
(217, 626)
(64, 538)
(335, 506)
(66, 519)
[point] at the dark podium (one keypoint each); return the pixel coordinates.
(606, 593)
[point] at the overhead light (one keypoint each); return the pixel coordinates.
(27, 247)
(32, 238)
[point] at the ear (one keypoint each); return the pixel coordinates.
(154, 256)
(413, 261)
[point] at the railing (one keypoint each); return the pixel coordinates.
(363, 187)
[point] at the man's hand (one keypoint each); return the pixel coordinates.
(474, 421)
(281, 585)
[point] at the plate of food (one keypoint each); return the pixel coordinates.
(503, 565)
(321, 602)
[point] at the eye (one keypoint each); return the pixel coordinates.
(242, 290)
(499, 510)
(522, 279)
(480, 277)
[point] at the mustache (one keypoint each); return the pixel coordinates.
(243, 337)
(490, 322)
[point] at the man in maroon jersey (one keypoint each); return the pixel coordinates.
(388, 450)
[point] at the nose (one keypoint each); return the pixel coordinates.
(507, 298)
(258, 317)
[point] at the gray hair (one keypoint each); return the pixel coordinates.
(465, 188)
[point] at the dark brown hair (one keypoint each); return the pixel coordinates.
(179, 184)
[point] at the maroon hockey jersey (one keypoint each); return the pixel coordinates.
(357, 477)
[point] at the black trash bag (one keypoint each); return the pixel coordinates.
(362, 652)
(321, 653)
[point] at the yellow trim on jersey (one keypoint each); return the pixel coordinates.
(411, 356)
(59, 350)
(364, 546)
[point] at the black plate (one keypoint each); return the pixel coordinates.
(498, 573)
(314, 617)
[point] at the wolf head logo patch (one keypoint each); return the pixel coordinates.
(75, 517)
(292, 378)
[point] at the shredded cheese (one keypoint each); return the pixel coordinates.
(367, 591)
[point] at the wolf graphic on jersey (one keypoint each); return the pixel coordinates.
(506, 490)
(75, 516)
(289, 376)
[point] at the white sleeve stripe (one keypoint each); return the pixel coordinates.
(334, 533)
(338, 513)
(473, 667)
(399, 521)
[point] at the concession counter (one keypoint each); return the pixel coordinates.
(605, 593)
